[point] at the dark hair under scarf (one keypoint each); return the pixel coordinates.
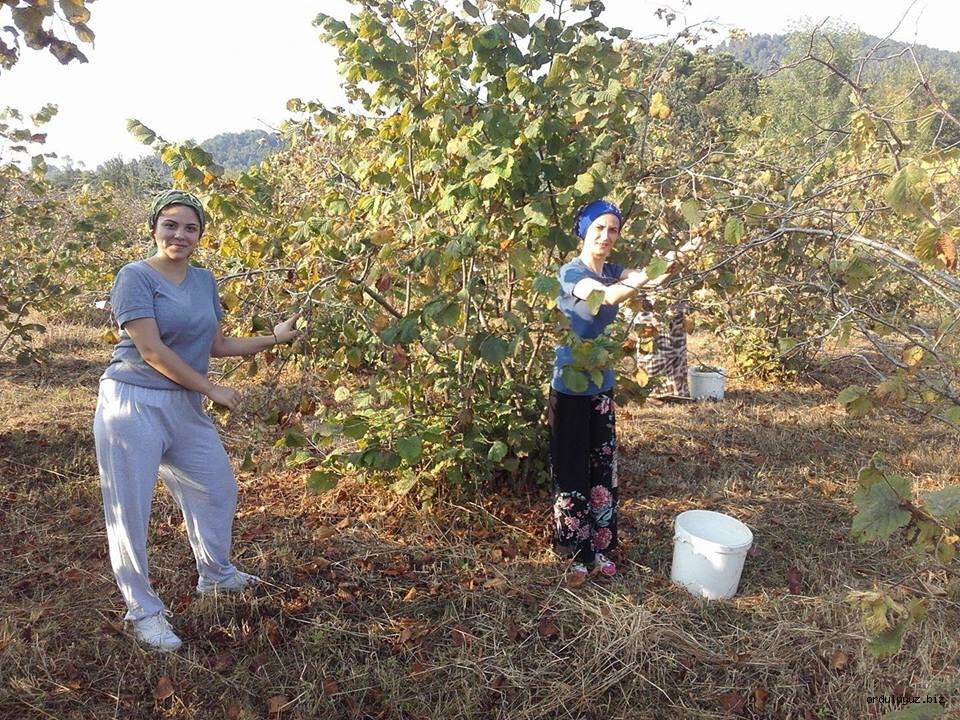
(590, 212)
(175, 197)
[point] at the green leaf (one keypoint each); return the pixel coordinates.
(925, 248)
(944, 504)
(656, 267)
(493, 350)
(879, 513)
(734, 230)
(378, 459)
(355, 426)
(298, 458)
(856, 400)
(690, 209)
(498, 451)
(905, 190)
(575, 380)
(953, 414)
(584, 184)
(410, 449)
(487, 38)
(595, 300)
(320, 481)
(490, 180)
(546, 285)
(849, 394)
(887, 643)
(141, 132)
(294, 438)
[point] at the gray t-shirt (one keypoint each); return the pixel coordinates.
(187, 316)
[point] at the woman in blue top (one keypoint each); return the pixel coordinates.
(583, 444)
(150, 420)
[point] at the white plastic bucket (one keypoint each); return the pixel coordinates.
(704, 385)
(708, 553)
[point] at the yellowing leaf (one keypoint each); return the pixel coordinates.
(912, 356)
(659, 107)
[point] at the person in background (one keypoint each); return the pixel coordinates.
(667, 358)
(150, 420)
(583, 443)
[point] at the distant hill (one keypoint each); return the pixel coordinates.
(763, 53)
(236, 151)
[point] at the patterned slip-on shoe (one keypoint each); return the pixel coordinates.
(606, 566)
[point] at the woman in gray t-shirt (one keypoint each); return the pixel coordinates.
(150, 420)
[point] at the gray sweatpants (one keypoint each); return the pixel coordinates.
(141, 433)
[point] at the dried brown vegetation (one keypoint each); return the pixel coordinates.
(376, 608)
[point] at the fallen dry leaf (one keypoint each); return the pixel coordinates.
(233, 712)
(794, 580)
(760, 699)
(271, 631)
(732, 703)
(109, 628)
(839, 660)
(276, 704)
(411, 594)
(494, 583)
(515, 632)
(330, 686)
(418, 668)
(324, 533)
(548, 629)
(575, 580)
(164, 688)
(222, 662)
(461, 636)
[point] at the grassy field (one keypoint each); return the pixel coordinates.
(376, 608)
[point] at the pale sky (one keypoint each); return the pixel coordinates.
(196, 68)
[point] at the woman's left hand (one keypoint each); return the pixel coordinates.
(286, 331)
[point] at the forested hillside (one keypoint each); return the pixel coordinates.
(763, 52)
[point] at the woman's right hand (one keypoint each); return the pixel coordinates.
(691, 246)
(225, 396)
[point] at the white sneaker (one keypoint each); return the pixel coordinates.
(156, 631)
(238, 583)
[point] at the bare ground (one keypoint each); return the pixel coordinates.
(377, 608)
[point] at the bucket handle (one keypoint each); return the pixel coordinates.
(679, 538)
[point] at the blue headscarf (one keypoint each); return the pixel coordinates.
(590, 212)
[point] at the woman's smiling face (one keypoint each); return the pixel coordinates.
(177, 232)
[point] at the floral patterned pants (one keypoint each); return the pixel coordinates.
(583, 463)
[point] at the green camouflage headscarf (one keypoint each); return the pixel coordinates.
(175, 197)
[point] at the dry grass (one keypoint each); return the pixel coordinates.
(377, 609)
